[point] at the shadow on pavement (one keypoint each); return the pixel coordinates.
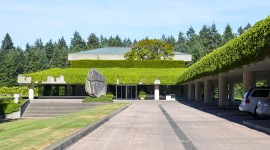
(230, 113)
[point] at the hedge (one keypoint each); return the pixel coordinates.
(127, 64)
(167, 76)
(8, 106)
(252, 46)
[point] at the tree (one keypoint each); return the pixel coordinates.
(60, 55)
(240, 30)
(227, 34)
(127, 42)
(93, 41)
(7, 43)
(181, 43)
(77, 43)
(190, 32)
(150, 50)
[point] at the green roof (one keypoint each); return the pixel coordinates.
(106, 50)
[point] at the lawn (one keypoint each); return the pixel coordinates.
(39, 133)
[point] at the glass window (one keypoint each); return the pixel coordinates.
(260, 93)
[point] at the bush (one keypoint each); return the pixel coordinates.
(109, 95)
(127, 64)
(8, 106)
(98, 99)
(142, 95)
(252, 46)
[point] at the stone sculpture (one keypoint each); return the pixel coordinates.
(95, 84)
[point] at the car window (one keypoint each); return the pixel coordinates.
(246, 94)
(260, 93)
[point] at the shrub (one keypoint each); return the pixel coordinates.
(142, 95)
(97, 99)
(109, 95)
(127, 64)
(8, 106)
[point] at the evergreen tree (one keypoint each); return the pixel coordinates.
(118, 41)
(104, 41)
(93, 41)
(60, 55)
(190, 33)
(240, 30)
(7, 43)
(49, 50)
(32, 62)
(181, 43)
(77, 43)
(227, 34)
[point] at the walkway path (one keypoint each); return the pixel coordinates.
(171, 125)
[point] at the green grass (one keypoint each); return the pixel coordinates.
(98, 99)
(167, 76)
(39, 133)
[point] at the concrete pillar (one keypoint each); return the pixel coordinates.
(208, 91)
(249, 80)
(231, 92)
(31, 92)
(68, 90)
(191, 91)
(198, 92)
(156, 91)
(222, 91)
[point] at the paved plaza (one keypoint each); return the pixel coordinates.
(159, 125)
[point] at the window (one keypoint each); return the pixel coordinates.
(260, 93)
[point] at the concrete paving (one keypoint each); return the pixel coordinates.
(144, 126)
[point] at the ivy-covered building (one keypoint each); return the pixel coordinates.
(125, 78)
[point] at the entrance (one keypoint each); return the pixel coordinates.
(126, 92)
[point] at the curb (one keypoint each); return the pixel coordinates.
(74, 137)
(257, 127)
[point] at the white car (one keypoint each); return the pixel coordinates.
(251, 99)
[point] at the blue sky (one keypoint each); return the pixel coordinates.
(29, 20)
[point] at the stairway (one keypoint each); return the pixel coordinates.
(40, 108)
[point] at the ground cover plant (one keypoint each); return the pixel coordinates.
(39, 133)
(167, 76)
(252, 46)
(97, 99)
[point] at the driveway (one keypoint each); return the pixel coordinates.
(171, 125)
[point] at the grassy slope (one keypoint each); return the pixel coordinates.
(167, 76)
(37, 134)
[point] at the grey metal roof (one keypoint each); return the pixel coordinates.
(115, 50)
(106, 50)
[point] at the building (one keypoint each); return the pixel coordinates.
(156, 78)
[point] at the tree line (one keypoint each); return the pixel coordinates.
(53, 54)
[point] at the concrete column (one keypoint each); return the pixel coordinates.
(198, 92)
(31, 92)
(222, 91)
(208, 91)
(249, 80)
(191, 91)
(231, 92)
(68, 90)
(156, 91)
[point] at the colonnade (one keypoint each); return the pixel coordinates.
(226, 90)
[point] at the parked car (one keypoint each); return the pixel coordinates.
(251, 98)
(263, 109)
